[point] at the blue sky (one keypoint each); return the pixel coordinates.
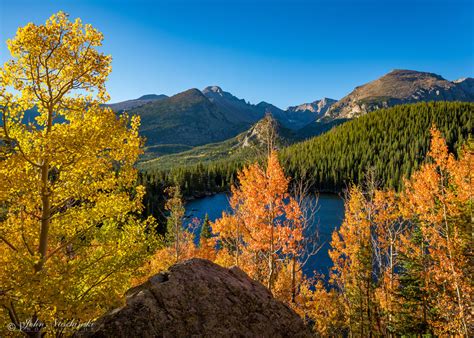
(283, 52)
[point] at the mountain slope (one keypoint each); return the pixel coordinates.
(185, 119)
(130, 104)
(236, 109)
(393, 141)
(246, 145)
(307, 113)
(399, 87)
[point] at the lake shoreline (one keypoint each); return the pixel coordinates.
(329, 217)
(200, 195)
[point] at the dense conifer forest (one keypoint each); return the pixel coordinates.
(392, 141)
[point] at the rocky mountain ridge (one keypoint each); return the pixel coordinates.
(399, 87)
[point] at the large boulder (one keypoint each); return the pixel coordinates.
(200, 299)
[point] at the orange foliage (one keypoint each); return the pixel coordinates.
(439, 198)
(266, 220)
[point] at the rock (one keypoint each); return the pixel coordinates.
(198, 298)
(400, 87)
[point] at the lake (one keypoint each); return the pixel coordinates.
(329, 216)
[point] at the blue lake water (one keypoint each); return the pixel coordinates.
(329, 216)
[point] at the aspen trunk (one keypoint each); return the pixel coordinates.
(45, 203)
(293, 280)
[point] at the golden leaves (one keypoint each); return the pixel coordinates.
(68, 178)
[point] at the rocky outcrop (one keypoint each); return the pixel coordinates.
(200, 299)
(308, 113)
(399, 87)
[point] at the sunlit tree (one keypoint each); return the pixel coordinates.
(439, 197)
(207, 243)
(352, 255)
(70, 238)
(175, 231)
(266, 220)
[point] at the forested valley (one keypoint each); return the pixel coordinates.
(393, 142)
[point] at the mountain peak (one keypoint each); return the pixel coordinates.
(398, 87)
(213, 89)
(152, 97)
(410, 74)
(190, 94)
(131, 104)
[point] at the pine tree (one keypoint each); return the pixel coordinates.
(206, 242)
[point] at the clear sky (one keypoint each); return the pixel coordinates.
(283, 52)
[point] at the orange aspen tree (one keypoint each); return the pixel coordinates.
(439, 196)
(389, 227)
(265, 216)
(352, 256)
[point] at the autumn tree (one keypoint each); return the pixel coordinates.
(389, 227)
(206, 240)
(353, 256)
(439, 199)
(175, 232)
(70, 238)
(230, 236)
(265, 224)
(310, 244)
(324, 308)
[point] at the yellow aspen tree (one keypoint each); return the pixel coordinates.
(230, 235)
(324, 307)
(70, 239)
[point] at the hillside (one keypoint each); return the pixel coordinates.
(242, 147)
(400, 87)
(393, 141)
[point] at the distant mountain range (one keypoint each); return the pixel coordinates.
(194, 118)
